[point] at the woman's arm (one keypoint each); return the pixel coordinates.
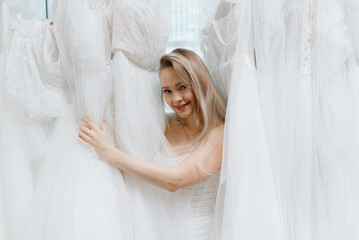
(189, 172)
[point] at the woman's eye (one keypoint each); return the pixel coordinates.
(167, 91)
(183, 87)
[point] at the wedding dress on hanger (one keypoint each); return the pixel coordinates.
(283, 54)
(29, 107)
(306, 72)
(336, 119)
(247, 206)
(139, 37)
(78, 195)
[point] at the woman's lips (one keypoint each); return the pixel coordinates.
(182, 107)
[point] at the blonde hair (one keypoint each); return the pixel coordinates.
(210, 110)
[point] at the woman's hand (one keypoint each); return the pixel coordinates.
(96, 137)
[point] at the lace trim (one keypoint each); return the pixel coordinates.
(334, 38)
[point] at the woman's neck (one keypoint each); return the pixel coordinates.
(190, 123)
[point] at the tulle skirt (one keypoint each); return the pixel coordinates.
(78, 195)
(139, 124)
(18, 160)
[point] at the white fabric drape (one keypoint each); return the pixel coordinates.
(247, 206)
(305, 70)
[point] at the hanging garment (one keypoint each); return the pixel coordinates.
(283, 50)
(336, 108)
(29, 108)
(139, 37)
(306, 69)
(78, 195)
(247, 206)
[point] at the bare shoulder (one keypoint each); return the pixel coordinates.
(216, 135)
(218, 131)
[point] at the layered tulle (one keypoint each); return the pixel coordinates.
(139, 35)
(247, 206)
(77, 195)
(139, 127)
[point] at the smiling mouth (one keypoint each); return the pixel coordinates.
(183, 106)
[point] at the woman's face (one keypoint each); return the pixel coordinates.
(178, 95)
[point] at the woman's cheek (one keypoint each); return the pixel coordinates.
(168, 100)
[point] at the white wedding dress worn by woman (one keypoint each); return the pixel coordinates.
(190, 210)
(78, 195)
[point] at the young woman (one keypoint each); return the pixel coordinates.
(194, 151)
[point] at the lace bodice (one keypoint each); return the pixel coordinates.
(140, 32)
(334, 26)
(336, 92)
(33, 75)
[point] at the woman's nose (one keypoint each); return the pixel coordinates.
(178, 97)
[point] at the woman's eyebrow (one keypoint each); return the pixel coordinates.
(177, 84)
(180, 83)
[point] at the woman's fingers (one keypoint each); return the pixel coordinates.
(94, 136)
(84, 137)
(86, 130)
(102, 127)
(89, 123)
(82, 141)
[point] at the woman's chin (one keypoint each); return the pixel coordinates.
(184, 115)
